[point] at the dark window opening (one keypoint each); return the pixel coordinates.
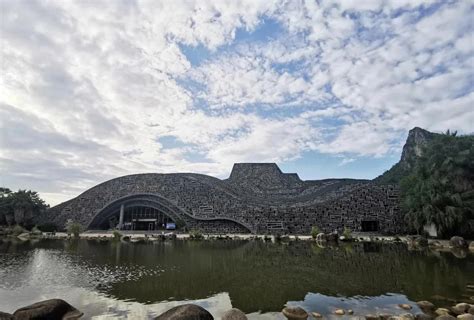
(370, 226)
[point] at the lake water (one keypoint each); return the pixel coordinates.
(108, 280)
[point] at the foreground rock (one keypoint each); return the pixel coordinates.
(445, 317)
(460, 308)
(458, 242)
(466, 316)
(234, 314)
(426, 306)
(48, 309)
(186, 312)
(295, 313)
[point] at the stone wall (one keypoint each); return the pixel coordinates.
(256, 197)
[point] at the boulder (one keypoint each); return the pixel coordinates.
(294, 313)
(466, 316)
(457, 242)
(445, 317)
(186, 312)
(461, 308)
(442, 311)
(234, 314)
(407, 316)
(426, 306)
(471, 309)
(316, 315)
(339, 312)
(417, 241)
(48, 309)
(405, 306)
(385, 316)
(423, 316)
(471, 246)
(372, 317)
(5, 316)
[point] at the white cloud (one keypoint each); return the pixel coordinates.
(88, 88)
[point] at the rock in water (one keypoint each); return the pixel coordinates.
(372, 317)
(294, 313)
(445, 317)
(405, 306)
(316, 315)
(5, 316)
(460, 308)
(186, 312)
(471, 309)
(407, 316)
(426, 306)
(442, 311)
(458, 242)
(234, 314)
(423, 316)
(466, 316)
(48, 309)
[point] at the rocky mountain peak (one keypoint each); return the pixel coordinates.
(417, 139)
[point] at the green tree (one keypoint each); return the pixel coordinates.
(440, 189)
(25, 204)
(6, 211)
(73, 228)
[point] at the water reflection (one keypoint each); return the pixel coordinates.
(142, 280)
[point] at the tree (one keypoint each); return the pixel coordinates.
(20, 207)
(6, 212)
(440, 189)
(73, 228)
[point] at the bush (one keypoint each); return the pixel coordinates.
(347, 233)
(17, 230)
(73, 228)
(117, 235)
(195, 235)
(315, 231)
(35, 230)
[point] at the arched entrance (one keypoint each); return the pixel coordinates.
(136, 212)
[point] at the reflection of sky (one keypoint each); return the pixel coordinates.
(46, 274)
(361, 305)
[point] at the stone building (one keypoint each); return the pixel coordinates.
(256, 198)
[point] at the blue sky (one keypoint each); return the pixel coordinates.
(96, 90)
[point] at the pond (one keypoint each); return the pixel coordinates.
(106, 279)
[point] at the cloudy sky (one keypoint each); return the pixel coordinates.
(91, 90)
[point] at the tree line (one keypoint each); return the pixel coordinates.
(20, 207)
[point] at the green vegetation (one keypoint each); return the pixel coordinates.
(347, 233)
(117, 235)
(195, 235)
(19, 207)
(73, 228)
(440, 187)
(315, 231)
(17, 230)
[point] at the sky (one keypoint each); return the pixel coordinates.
(92, 90)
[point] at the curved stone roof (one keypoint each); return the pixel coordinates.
(254, 196)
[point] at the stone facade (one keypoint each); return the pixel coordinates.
(256, 198)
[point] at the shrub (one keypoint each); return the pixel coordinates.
(315, 231)
(195, 234)
(17, 230)
(117, 235)
(73, 228)
(35, 230)
(347, 233)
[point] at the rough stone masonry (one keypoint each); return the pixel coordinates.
(256, 198)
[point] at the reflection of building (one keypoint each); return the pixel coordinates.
(257, 197)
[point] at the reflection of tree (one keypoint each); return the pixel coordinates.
(264, 276)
